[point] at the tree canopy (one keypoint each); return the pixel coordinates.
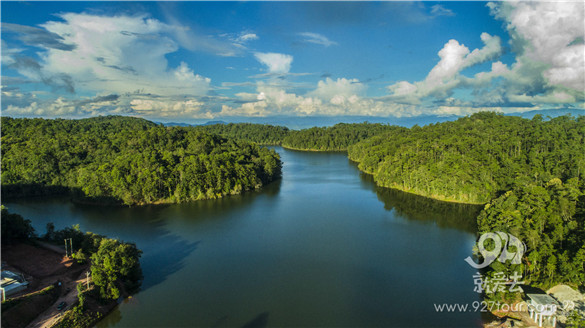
(333, 138)
(550, 220)
(475, 158)
(128, 160)
(15, 228)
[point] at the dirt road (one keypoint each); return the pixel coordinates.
(51, 315)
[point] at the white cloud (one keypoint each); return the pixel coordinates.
(445, 76)
(338, 91)
(330, 97)
(438, 10)
(128, 104)
(111, 54)
(276, 63)
(245, 37)
(190, 108)
(548, 37)
(62, 107)
(317, 38)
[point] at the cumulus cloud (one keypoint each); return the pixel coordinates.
(20, 104)
(338, 91)
(61, 107)
(275, 62)
(445, 76)
(317, 38)
(330, 97)
(549, 68)
(119, 54)
(103, 54)
(548, 37)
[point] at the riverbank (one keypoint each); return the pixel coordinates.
(414, 192)
(315, 150)
(112, 202)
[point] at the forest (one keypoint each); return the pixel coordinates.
(128, 160)
(333, 138)
(475, 158)
(529, 174)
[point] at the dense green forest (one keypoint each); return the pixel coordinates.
(333, 138)
(529, 173)
(550, 219)
(475, 158)
(128, 160)
(337, 137)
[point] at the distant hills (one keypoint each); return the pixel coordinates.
(550, 112)
(303, 122)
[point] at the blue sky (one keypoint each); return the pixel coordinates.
(189, 61)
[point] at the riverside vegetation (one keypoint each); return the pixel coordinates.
(115, 267)
(128, 160)
(334, 138)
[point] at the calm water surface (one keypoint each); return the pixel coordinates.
(322, 247)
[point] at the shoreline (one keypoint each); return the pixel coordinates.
(111, 203)
(395, 187)
(314, 150)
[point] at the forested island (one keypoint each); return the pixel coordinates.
(128, 160)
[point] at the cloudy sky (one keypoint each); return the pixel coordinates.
(188, 61)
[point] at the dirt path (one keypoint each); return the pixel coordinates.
(48, 318)
(53, 248)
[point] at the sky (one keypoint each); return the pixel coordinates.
(191, 61)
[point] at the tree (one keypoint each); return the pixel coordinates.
(15, 228)
(115, 264)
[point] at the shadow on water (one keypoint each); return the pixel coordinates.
(424, 209)
(167, 260)
(260, 321)
(217, 209)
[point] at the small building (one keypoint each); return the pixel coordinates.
(543, 309)
(12, 283)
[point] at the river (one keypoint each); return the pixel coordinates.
(323, 247)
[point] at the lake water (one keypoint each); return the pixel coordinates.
(323, 247)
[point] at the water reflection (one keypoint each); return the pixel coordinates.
(423, 209)
(166, 260)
